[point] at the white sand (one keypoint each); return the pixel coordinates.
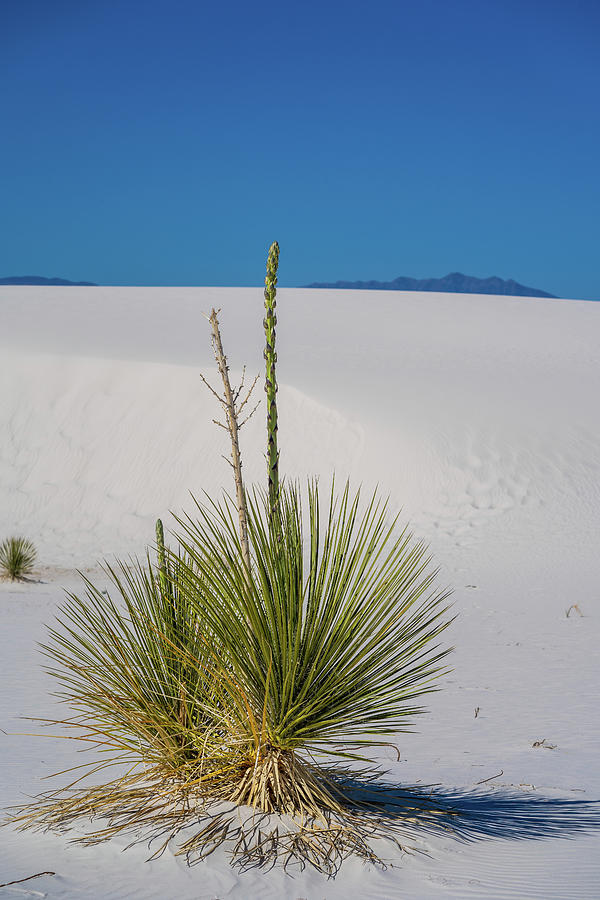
(478, 415)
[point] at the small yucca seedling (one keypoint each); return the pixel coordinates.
(17, 556)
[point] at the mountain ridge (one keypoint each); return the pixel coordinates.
(453, 283)
(41, 280)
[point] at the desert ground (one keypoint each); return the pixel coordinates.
(477, 415)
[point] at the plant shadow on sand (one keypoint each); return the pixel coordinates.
(389, 813)
(374, 811)
(472, 815)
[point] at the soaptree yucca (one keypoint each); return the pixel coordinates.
(328, 649)
(241, 684)
(134, 666)
(199, 686)
(17, 557)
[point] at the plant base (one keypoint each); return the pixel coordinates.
(329, 816)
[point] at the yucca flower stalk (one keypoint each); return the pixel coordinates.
(232, 407)
(270, 355)
(162, 559)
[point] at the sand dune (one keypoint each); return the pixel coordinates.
(476, 414)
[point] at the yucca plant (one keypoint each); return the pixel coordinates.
(201, 689)
(137, 671)
(332, 646)
(17, 557)
(258, 666)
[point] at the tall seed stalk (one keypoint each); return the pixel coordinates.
(270, 355)
(233, 424)
(233, 427)
(162, 560)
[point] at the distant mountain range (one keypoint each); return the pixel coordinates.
(455, 283)
(38, 279)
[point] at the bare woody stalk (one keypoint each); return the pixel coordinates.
(232, 411)
(270, 322)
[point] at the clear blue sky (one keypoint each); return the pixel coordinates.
(169, 142)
